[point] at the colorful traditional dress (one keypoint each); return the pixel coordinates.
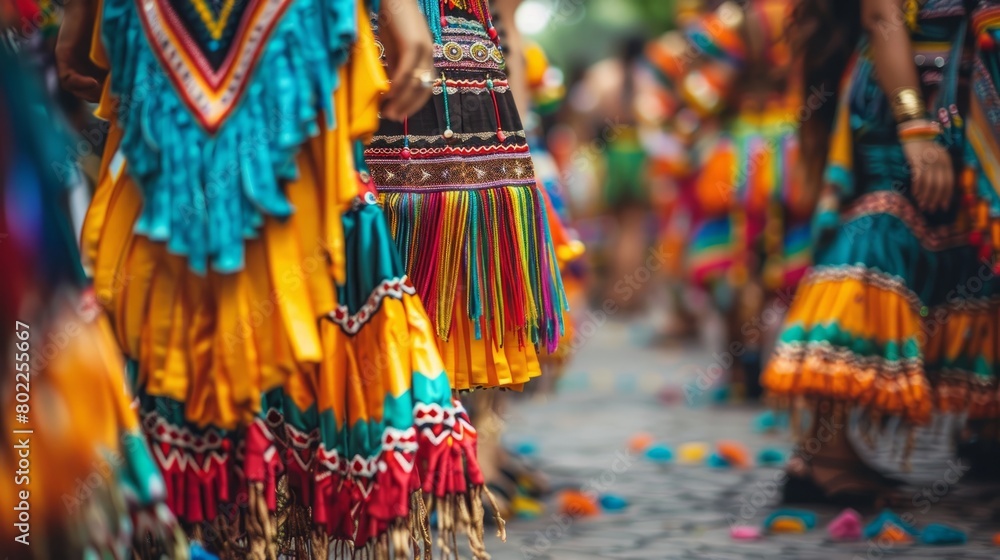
(732, 90)
(673, 149)
(289, 382)
(894, 316)
(458, 186)
(981, 181)
(81, 480)
(745, 184)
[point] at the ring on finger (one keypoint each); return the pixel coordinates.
(425, 77)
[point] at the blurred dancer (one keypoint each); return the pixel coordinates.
(731, 98)
(678, 140)
(980, 185)
(884, 321)
(78, 474)
(287, 371)
(459, 188)
(458, 185)
(604, 101)
(626, 188)
(769, 212)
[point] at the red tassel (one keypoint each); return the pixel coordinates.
(496, 110)
(300, 476)
(263, 461)
(446, 456)
(193, 507)
(196, 482)
(335, 497)
(405, 152)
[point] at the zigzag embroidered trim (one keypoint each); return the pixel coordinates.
(446, 150)
(394, 441)
(432, 414)
(183, 445)
(457, 174)
(352, 323)
(301, 443)
(210, 93)
(471, 84)
(429, 416)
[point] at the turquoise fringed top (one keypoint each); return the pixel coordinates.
(216, 100)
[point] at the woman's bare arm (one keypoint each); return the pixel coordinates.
(409, 50)
(77, 73)
(892, 52)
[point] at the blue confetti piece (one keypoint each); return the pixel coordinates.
(526, 448)
(770, 457)
(659, 453)
(873, 529)
(941, 535)
(612, 502)
(717, 461)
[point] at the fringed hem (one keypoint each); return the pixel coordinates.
(957, 391)
(378, 508)
(485, 255)
(823, 373)
(859, 336)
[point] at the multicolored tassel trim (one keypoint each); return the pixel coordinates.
(272, 490)
(489, 249)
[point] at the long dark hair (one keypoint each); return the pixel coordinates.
(825, 33)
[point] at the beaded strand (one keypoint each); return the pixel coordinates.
(448, 132)
(405, 152)
(496, 109)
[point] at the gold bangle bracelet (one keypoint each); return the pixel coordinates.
(907, 104)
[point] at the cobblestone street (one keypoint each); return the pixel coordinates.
(609, 394)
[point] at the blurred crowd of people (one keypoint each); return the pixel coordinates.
(814, 182)
(815, 179)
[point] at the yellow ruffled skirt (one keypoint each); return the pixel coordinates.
(298, 401)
